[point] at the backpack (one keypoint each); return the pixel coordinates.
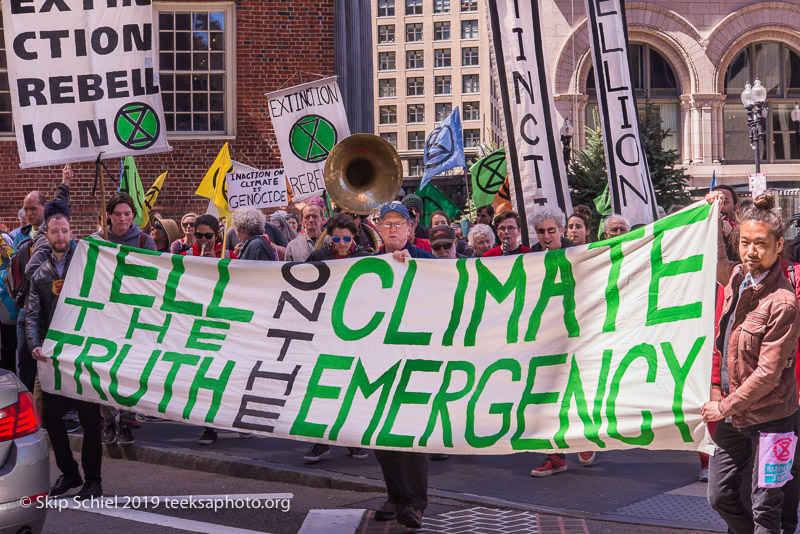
(16, 283)
(8, 308)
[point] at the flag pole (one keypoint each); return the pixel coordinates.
(224, 236)
(98, 176)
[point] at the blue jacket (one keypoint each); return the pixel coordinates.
(415, 252)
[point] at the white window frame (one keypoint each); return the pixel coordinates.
(229, 8)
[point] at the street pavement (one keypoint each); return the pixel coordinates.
(625, 491)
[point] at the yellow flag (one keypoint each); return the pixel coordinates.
(221, 195)
(221, 166)
(150, 199)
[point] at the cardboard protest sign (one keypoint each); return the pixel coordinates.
(84, 80)
(248, 186)
(603, 346)
(308, 119)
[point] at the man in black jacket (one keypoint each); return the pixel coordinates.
(45, 289)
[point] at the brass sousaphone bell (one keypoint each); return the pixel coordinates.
(362, 173)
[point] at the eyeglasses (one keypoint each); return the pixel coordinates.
(346, 238)
(392, 225)
(188, 224)
(549, 231)
(201, 235)
(440, 246)
(506, 228)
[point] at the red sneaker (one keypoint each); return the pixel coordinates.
(551, 464)
(587, 458)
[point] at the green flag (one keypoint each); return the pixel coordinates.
(434, 200)
(129, 182)
(603, 204)
(488, 175)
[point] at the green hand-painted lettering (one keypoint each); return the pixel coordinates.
(458, 303)
(488, 283)
(136, 324)
(439, 405)
(555, 261)
(113, 387)
(83, 305)
(403, 396)
(498, 408)
(518, 443)
(393, 334)
(197, 334)
(215, 385)
(315, 390)
(591, 424)
(61, 339)
(170, 304)
(134, 271)
(88, 361)
(612, 288)
(648, 352)
(366, 266)
(176, 359)
(679, 373)
(214, 310)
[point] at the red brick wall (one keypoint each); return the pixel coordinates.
(275, 39)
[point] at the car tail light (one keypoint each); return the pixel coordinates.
(19, 419)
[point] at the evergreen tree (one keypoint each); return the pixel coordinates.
(586, 173)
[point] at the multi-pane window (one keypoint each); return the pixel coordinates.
(469, 29)
(6, 120)
(416, 140)
(414, 59)
(391, 137)
(472, 137)
(441, 6)
(193, 58)
(442, 85)
(387, 87)
(386, 33)
(386, 61)
(413, 7)
(386, 8)
(441, 57)
(416, 166)
(415, 86)
(413, 32)
(388, 114)
(471, 111)
(441, 30)
(416, 113)
(443, 110)
(469, 5)
(469, 83)
(469, 56)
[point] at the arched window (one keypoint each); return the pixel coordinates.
(654, 78)
(778, 68)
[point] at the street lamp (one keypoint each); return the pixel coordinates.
(753, 99)
(796, 121)
(566, 132)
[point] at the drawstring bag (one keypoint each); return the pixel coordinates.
(775, 458)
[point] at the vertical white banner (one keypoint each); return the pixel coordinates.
(533, 149)
(631, 188)
(309, 120)
(84, 80)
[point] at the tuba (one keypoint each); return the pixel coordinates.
(362, 173)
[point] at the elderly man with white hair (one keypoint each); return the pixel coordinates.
(615, 225)
(248, 223)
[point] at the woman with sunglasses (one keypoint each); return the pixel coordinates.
(187, 227)
(341, 229)
(207, 242)
(164, 232)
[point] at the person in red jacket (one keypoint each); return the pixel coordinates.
(508, 226)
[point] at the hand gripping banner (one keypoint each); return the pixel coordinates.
(604, 346)
(632, 192)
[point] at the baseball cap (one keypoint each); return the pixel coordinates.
(441, 234)
(397, 208)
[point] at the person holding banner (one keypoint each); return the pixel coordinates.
(185, 242)
(207, 239)
(121, 210)
(45, 290)
(756, 403)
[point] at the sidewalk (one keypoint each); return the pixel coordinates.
(641, 487)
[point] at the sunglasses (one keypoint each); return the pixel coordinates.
(346, 239)
(188, 225)
(440, 246)
(201, 235)
(158, 227)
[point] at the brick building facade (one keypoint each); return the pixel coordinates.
(217, 59)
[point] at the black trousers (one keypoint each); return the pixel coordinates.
(54, 407)
(25, 362)
(737, 454)
(406, 477)
(8, 346)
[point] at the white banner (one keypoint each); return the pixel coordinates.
(631, 188)
(248, 186)
(83, 80)
(604, 346)
(533, 149)
(308, 120)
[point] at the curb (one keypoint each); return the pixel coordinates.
(211, 462)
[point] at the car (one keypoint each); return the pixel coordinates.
(24, 459)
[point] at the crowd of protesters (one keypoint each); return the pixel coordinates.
(760, 395)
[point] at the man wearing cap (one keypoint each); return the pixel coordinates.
(405, 473)
(416, 211)
(444, 242)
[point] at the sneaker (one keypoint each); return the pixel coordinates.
(410, 516)
(63, 484)
(358, 453)
(72, 425)
(92, 488)
(245, 435)
(551, 464)
(209, 436)
(125, 436)
(387, 511)
(703, 476)
(316, 452)
(109, 433)
(587, 458)
(439, 456)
